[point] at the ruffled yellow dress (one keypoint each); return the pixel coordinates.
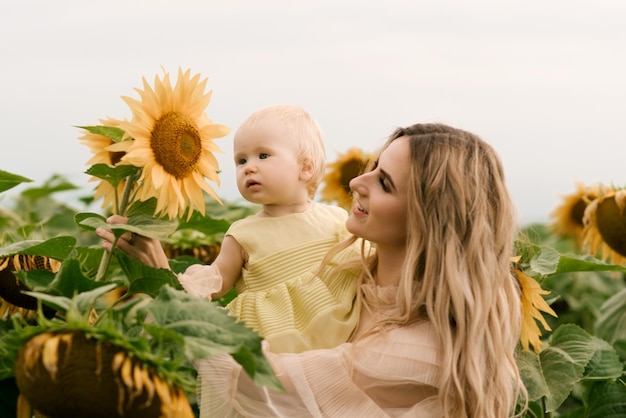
(279, 296)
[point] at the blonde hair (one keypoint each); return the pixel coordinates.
(306, 133)
(457, 272)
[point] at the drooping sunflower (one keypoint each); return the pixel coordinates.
(604, 233)
(568, 216)
(532, 305)
(112, 383)
(12, 300)
(338, 175)
(98, 144)
(173, 143)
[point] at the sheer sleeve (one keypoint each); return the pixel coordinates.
(390, 374)
(201, 280)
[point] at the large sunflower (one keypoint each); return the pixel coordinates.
(173, 143)
(604, 233)
(568, 216)
(532, 305)
(98, 144)
(338, 175)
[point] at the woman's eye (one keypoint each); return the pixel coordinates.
(263, 155)
(383, 184)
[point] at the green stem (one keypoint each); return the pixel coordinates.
(121, 210)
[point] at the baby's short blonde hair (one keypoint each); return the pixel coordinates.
(306, 133)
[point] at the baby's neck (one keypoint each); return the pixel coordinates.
(282, 210)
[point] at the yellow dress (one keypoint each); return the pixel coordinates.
(279, 296)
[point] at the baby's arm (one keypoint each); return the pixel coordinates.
(230, 261)
(216, 279)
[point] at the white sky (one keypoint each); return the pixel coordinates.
(544, 81)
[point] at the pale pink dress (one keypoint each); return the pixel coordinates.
(391, 373)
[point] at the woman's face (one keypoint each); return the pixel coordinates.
(380, 198)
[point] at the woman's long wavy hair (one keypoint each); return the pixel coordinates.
(457, 271)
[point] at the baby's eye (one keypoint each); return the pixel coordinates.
(241, 161)
(263, 155)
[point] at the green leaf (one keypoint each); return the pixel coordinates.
(146, 226)
(36, 279)
(605, 363)
(9, 180)
(205, 224)
(552, 374)
(80, 217)
(546, 261)
(145, 208)
(70, 280)
(143, 278)
(82, 302)
(113, 175)
(114, 134)
(55, 184)
(57, 248)
(606, 400)
(611, 324)
(208, 330)
(572, 263)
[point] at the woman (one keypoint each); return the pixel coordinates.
(440, 310)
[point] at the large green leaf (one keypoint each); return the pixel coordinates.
(208, 330)
(9, 180)
(57, 248)
(552, 374)
(550, 261)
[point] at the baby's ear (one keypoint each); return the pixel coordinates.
(306, 169)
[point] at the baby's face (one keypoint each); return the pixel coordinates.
(268, 170)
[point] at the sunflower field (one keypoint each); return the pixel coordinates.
(85, 332)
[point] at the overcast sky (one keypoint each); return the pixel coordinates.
(544, 81)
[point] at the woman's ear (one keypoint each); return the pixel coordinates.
(306, 169)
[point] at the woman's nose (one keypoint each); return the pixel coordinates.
(357, 184)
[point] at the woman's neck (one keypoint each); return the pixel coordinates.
(389, 268)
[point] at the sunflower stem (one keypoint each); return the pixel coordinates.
(121, 210)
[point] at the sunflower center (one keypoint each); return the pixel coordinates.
(349, 170)
(176, 144)
(611, 221)
(578, 211)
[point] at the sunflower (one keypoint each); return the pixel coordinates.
(568, 216)
(173, 143)
(338, 175)
(112, 382)
(98, 144)
(604, 233)
(12, 300)
(532, 305)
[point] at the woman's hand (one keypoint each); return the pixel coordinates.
(147, 250)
